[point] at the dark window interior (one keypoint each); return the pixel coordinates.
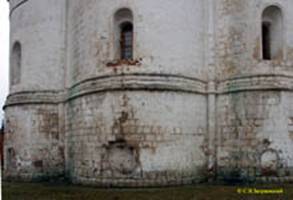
(266, 41)
(126, 41)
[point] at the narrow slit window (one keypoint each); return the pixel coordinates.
(126, 41)
(266, 41)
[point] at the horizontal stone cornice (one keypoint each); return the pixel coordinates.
(153, 82)
(147, 82)
(255, 82)
(35, 97)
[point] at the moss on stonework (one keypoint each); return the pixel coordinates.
(233, 176)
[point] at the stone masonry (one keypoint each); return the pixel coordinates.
(207, 94)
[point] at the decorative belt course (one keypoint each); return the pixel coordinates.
(152, 82)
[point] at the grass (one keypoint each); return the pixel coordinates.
(50, 191)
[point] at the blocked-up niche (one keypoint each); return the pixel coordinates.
(272, 33)
(15, 64)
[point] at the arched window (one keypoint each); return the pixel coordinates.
(15, 64)
(126, 40)
(124, 34)
(272, 33)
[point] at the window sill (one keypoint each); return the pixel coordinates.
(122, 62)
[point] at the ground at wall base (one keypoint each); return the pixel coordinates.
(60, 191)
